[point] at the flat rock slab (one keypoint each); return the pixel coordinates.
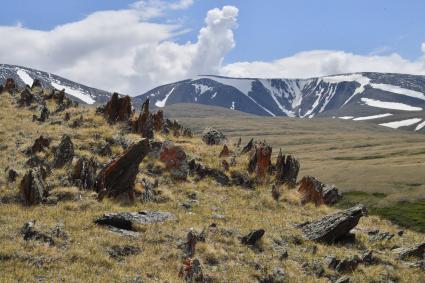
(129, 220)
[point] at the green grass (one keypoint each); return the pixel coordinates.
(405, 214)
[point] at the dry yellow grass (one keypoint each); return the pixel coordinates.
(84, 256)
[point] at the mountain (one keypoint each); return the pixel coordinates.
(392, 100)
(75, 91)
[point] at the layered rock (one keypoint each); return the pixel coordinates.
(175, 160)
(33, 188)
(287, 169)
(130, 220)
(26, 98)
(84, 173)
(144, 124)
(332, 228)
(202, 171)
(248, 147)
(312, 190)
(64, 153)
(118, 109)
(260, 160)
(119, 175)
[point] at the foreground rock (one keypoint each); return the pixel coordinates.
(33, 188)
(312, 190)
(64, 153)
(118, 176)
(130, 220)
(287, 169)
(332, 228)
(212, 136)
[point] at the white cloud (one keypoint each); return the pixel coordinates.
(325, 62)
(122, 51)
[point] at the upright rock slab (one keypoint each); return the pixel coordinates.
(84, 173)
(64, 153)
(144, 125)
(312, 190)
(33, 188)
(118, 109)
(333, 227)
(260, 160)
(287, 169)
(118, 176)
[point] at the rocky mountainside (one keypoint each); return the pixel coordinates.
(398, 98)
(108, 194)
(75, 91)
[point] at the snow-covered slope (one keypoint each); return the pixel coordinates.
(371, 97)
(75, 91)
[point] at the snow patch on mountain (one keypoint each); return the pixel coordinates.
(74, 92)
(24, 77)
(201, 89)
(161, 103)
(420, 126)
(359, 78)
(403, 123)
(399, 90)
(364, 118)
(390, 105)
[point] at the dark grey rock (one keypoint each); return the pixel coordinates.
(128, 220)
(212, 136)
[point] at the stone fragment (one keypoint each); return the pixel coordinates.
(253, 237)
(84, 173)
(130, 220)
(312, 190)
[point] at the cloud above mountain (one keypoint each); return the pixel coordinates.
(126, 51)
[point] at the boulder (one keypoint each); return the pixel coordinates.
(118, 109)
(144, 123)
(334, 227)
(84, 173)
(175, 160)
(64, 153)
(260, 160)
(11, 176)
(312, 190)
(119, 175)
(287, 169)
(212, 136)
(10, 85)
(130, 220)
(253, 237)
(33, 188)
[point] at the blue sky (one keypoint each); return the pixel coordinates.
(267, 29)
(139, 44)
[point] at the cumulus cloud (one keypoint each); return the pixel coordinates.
(128, 53)
(326, 62)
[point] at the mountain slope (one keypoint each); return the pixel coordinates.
(364, 96)
(75, 91)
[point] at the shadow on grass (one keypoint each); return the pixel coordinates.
(405, 214)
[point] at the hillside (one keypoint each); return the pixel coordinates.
(220, 228)
(398, 98)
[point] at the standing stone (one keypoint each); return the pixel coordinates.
(84, 173)
(287, 169)
(144, 124)
(118, 109)
(224, 152)
(11, 176)
(39, 145)
(312, 190)
(26, 98)
(249, 146)
(64, 153)
(175, 160)
(33, 188)
(212, 136)
(158, 120)
(36, 83)
(118, 177)
(10, 86)
(253, 237)
(260, 160)
(333, 227)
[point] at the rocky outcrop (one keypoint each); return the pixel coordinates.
(144, 124)
(26, 98)
(84, 173)
(175, 160)
(130, 220)
(202, 171)
(39, 145)
(413, 251)
(212, 136)
(10, 85)
(64, 153)
(158, 120)
(118, 176)
(312, 190)
(225, 152)
(253, 237)
(29, 232)
(332, 228)
(242, 180)
(260, 160)
(287, 169)
(36, 83)
(118, 109)
(44, 114)
(248, 147)
(33, 188)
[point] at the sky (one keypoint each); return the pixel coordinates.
(132, 46)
